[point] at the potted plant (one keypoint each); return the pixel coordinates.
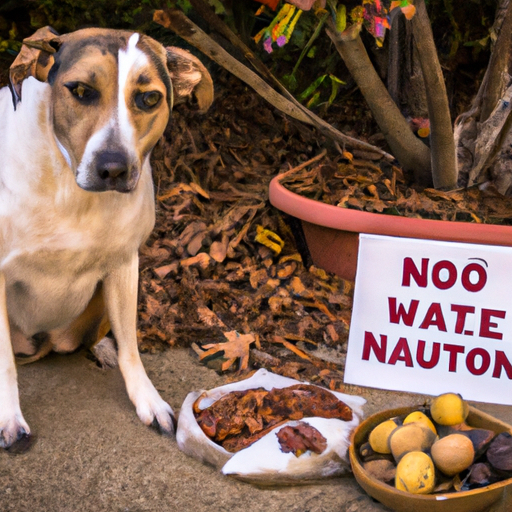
(474, 152)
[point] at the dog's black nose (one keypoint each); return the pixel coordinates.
(112, 167)
(110, 170)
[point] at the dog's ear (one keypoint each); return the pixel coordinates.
(35, 59)
(190, 79)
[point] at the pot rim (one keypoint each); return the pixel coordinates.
(322, 214)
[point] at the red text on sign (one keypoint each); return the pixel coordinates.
(444, 275)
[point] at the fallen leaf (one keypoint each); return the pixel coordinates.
(237, 347)
(207, 316)
(202, 260)
(162, 271)
(218, 250)
(269, 239)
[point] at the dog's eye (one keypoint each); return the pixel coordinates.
(148, 100)
(82, 92)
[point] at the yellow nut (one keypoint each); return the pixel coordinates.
(415, 473)
(419, 417)
(379, 436)
(449, 409)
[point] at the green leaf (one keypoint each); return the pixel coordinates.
(217, 5)
(314, 101)
(335, 85)
(184, 5)
(341, 18)
(481, 43)
(336, 79)
(290, 82)
(312, 88)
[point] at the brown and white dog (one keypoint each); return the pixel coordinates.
(76, 198)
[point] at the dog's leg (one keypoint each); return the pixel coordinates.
(120, 293)
(13, 427)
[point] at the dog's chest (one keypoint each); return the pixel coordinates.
(57, 240)
(56, 260)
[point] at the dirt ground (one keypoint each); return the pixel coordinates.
(92, 454)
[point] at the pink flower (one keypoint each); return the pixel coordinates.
(281, 41)
(267, 44)
(306, 5)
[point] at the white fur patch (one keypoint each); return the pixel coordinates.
(130, 60)
(95, 143)
(64, 152)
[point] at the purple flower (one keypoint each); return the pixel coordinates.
(267, 44)
(281, 41)
(380, 29)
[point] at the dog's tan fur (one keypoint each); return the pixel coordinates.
(76, 199)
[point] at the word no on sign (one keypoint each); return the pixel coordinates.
(431, 317)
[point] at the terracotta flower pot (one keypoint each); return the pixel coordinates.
(332, 233)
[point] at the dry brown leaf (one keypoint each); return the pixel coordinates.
(291, 257)
(199, 190)
(162, 271)
(331, 331)
(201, 260)
(207, 316)
(236, 348)
(219, 249)
(175, 191)
(286, 271)
(320, 306)
(195, 245)
(297, 287)
(291, 347)
(190, 231)
(258, 277)
(279, 304)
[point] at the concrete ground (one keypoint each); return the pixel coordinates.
(92, 453)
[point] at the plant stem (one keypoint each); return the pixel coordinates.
(498, 65)
(175, 20)
(309, 44)
(409, 150)
(442, 144)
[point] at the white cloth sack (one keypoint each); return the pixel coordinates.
(263, 462)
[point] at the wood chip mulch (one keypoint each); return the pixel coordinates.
(380, 187)
(221, 272)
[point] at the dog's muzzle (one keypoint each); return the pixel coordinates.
(112, 170)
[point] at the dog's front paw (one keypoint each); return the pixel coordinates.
(15, 435)
(155, 412)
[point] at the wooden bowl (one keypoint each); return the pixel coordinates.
(476, 500)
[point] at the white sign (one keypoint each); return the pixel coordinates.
(432, 317)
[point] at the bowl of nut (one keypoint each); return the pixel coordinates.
(441, 457)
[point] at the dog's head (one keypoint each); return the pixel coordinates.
(112, 93)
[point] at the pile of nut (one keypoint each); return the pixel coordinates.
(434, 450)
